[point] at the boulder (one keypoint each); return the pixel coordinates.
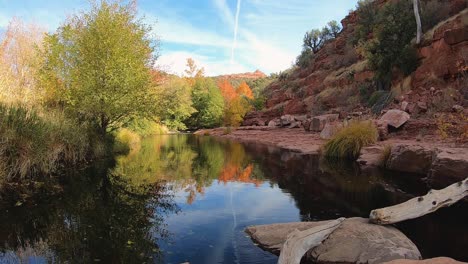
(355, 241)
(395, 118)
(295, 124)
(330, 130)
(441, 260)
(306, 125)
(271, 237)
(273, 123)
(318, 122)
(300, 118)
(358, 241)
(286, 120)
(450, 165)
(410, 158)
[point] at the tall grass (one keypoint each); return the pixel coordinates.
(34, 144)
(349, 141)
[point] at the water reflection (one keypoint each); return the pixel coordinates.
(186, 198)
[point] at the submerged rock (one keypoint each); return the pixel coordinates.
(355, 241)
(410, 158)
(395, 118)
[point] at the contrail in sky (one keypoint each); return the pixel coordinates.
(236, 25)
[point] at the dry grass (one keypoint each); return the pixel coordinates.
(348, 142)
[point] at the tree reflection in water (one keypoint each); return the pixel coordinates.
(101, 216)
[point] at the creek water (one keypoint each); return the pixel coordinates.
(184, 198)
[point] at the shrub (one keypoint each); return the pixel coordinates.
(453, 126)
(391, 46)
(348, 142)
(125, 141)
(305, 59)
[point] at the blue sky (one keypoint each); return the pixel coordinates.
(269, 32)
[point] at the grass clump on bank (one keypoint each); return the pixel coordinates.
(349, 141)
(125, 141)
(35, 145)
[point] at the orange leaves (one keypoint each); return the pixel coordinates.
(227, 91)
(245, 90)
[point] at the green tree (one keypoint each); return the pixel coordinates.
(208, 102)
(334, 28)
(391, 47)
(102, 59)
(174, 103)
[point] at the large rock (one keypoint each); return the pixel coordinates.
(271, 237)
(441, 260)
(330, 130)
(355, 241)
(450, 165)
(286, 120)
(395, 118)
(410, 158)
(273, 123)
(318, 122)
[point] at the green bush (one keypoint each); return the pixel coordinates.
(348, 142)
(34, 144)
(391, 47)
(305, 58)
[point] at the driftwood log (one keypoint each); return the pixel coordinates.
(299, 242)
(420, 206)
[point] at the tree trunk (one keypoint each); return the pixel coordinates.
(418, 21)
(420, 206)
(299, 242)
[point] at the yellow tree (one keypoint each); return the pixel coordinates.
(193, 72)
(19, 61)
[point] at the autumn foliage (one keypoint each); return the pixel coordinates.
(236, 101)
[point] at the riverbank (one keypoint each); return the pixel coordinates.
(441, 162)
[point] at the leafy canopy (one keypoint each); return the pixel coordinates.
(101, 60)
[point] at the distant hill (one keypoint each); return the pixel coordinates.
(247, 75)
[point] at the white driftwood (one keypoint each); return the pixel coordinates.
(420, 206)
(299, 242)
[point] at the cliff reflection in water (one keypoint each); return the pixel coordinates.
(130, 211)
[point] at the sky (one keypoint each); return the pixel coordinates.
(223, 36)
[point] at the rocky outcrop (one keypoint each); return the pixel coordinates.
(449, 166)
(337, 72)
(441, 260)
(410, 158)
(355, 241)
(247, 75)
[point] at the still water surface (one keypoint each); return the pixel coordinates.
(184, 198)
